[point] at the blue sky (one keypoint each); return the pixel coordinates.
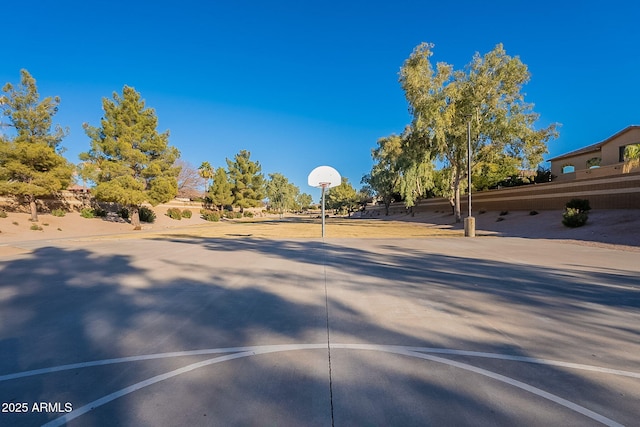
(306, 83)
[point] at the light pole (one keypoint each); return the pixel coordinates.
(469, 221)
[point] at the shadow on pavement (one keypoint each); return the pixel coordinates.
(62, 306)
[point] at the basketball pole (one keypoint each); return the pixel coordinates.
(323, 187)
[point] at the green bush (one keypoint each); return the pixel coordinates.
(124, 213)
(580, 204)
(87, 213)
(248, 214)
(576, 213)
(3, 214)
(146, 215)
(99, 212)
(58, 212)
(186, 213)
(174, 213)
(574, 217)
(210, 215)
(36, 227)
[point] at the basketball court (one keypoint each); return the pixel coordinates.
(179, 330)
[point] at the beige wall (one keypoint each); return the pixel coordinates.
(605, 192)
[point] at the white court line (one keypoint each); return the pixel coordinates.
(286, 347)
(523, 386)
(241, 352)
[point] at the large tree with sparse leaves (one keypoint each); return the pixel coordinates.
(488, 94)
(31, 161)
(282, 194)
(130, 162)
(342, 198)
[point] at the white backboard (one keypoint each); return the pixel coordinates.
(324, 176)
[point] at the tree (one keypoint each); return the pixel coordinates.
(129, 161)
(416, 169)
(31, 162)
(281, 193)
(304, 201)
(190, 183)
(364, 197)
(631, 157)
(342, 198)
(398, 172)
(247, 183)
(492, 168)
(384, 178)
(220, 191)
(206, 172)
(487, 94)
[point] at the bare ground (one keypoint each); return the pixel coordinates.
(613, 228)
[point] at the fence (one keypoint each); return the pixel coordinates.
(609, 192)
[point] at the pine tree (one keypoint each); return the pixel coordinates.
(31, 161)
(130, 162)
(220, 191)
(248, 187)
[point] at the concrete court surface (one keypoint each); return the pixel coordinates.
(183, 331)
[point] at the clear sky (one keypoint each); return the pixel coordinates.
(306, 83)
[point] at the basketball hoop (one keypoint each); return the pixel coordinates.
(324, 177)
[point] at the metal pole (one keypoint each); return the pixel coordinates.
(323, 186)
(469, 162)
(469, 221)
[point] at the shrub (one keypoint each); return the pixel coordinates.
(579, 204)
(574, 217)
(533, 213)
(3, 214)
(174, 213)
(58, 212)
(248, 214)
(87, 213)
(503, 213)
(36, 227)
(146, 215)
(576, 213)
(124, 213)
(210, 215)
(186, 213)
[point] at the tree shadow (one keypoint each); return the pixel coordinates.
(61, 306)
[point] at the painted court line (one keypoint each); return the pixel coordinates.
(42, 371)
(417, 352)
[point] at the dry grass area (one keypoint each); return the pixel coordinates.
(300, 227)
(608, 227)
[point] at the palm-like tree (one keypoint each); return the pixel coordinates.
(631, 157)
(206, 172)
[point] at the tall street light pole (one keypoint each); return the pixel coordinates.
(469, 221)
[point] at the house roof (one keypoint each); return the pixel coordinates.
(594, 147)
